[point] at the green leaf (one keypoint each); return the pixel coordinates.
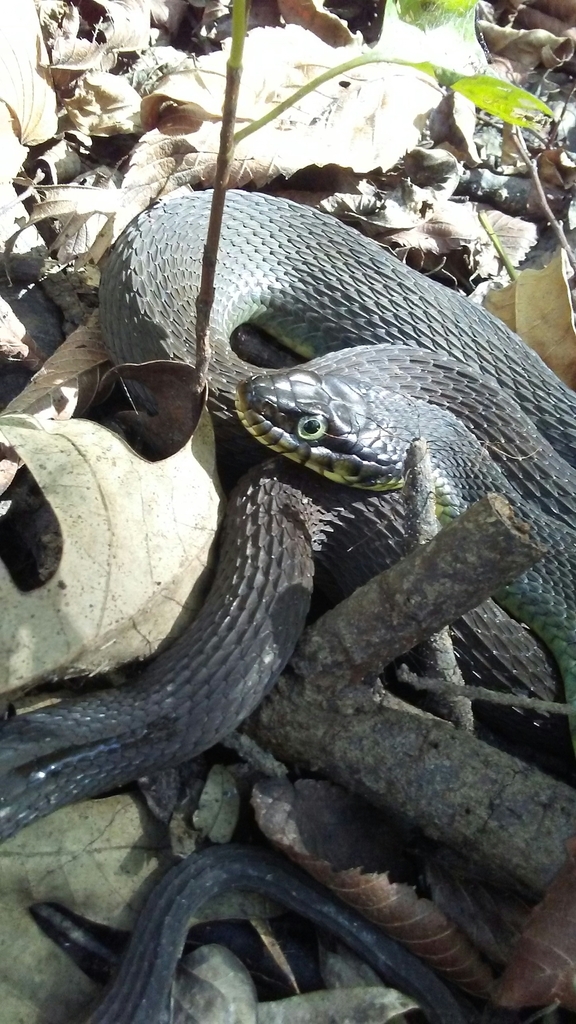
(513, 105)
(431, 13)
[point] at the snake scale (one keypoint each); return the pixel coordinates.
(318, 286)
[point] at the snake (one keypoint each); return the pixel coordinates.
(350, 427)
(318, 286)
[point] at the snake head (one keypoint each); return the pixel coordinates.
(328, 423)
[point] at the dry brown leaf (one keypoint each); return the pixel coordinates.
(556, 168)
(124, 25)
(491, 918)
(532, 18)
(543, 967)
(452, 126)
(69, 379)
(104, 104)
(538, 307)
(394, 906)
(25, 84)
(169, 383)
(311, 15)
(373, 114)
(446, 227)
(564, 10)
(528, 47)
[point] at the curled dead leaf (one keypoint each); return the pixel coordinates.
(104, 104)
(528, 47)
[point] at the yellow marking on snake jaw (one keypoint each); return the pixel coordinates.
(339, 478)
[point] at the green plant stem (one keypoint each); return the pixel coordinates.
(224, 159)
(326, 76)
(492, 235)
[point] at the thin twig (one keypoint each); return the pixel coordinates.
(224, 159)
(518, 140)
(511, 700)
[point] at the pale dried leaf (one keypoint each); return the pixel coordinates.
(160, 164)
(123, 25)
(84, 211)
(366, 1005)
(69, 52)
(9, 465)
(68, 380)
(126, 24)
(212, 986)
(312, 16)
(373, 114)
(25, 85)
(217, 814)
(99, 858)
(538, 306)
(104, 104)
(168, 14)
(136, 541)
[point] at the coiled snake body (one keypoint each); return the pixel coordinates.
(311, 281)
(319, 286)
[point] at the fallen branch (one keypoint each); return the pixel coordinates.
(482, 550)
(506, 817)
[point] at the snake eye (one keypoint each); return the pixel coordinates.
(311, 428)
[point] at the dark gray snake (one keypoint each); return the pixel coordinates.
(319, 286)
